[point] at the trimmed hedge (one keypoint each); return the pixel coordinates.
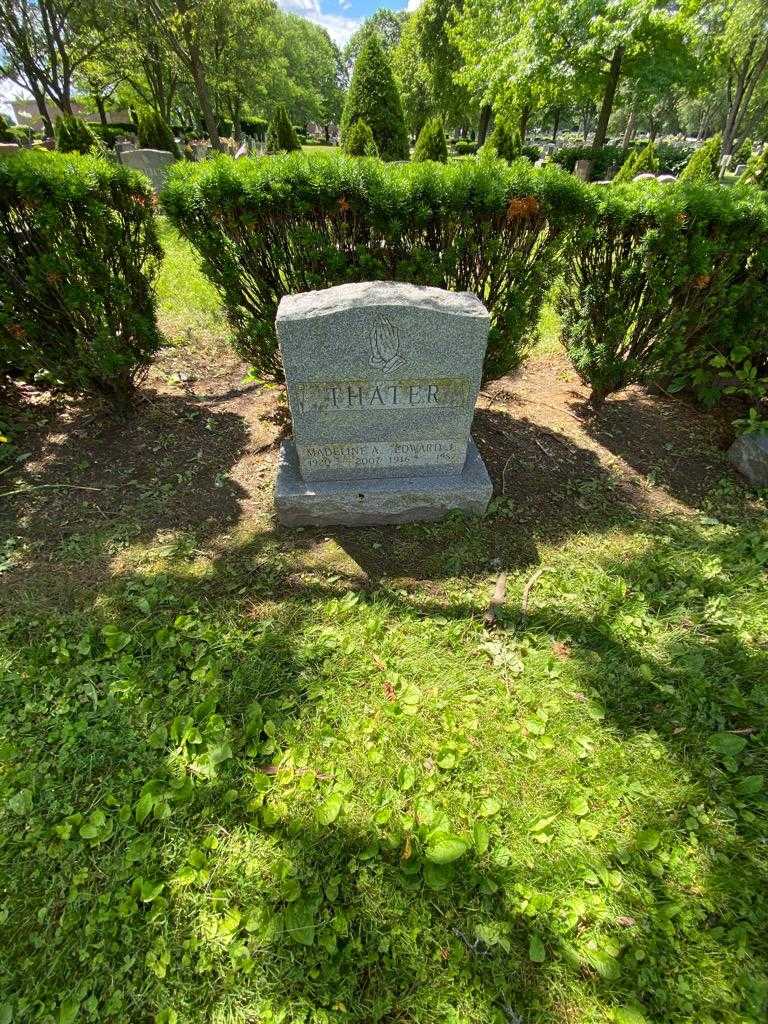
(269, 227)
(665, 283)
(78, 254)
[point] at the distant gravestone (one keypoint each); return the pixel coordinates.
(740, 168)
(153, 162)
(749, 454)
(382, 381)
(583, 169)
(8, 148)
(646, 176)
(666, 179)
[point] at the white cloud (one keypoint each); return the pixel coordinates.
(10, 91)
(338, 27)
(414, 5)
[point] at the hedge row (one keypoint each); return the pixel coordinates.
(78, 253)
(292, 223)
(656, 282)
(668, 283)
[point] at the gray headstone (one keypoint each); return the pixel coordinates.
(749, 454)
(740, 168)
(647, 176)
(666, 179)
(583, 169)
(382, 381)
(153, 162)
(7, 148)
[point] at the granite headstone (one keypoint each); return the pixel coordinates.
(153, 162)
(382, 380)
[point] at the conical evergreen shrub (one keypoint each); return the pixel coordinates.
(360, 141)
(373, 98)
(5, 132)
(154, 133)
(431, 144)
(704, 165)
(281, 135)
(506, 141)
(639, 161)
(73, 135)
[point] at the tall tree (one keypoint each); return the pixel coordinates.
(373, 98)
(46, 43)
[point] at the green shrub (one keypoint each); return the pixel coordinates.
(359, 141)
(108, 134)
(431, 144)
(281, 136)
(757, 171)
(266, 228)
(672, 157)
(505, 141)
(704, 165)
(73, 135)
(78, 252)
(154, 133)
(226, 127)
(5, 131)
(743, 153)
(602, 161)
(373, 98)
(256, 127)
(465, 147)
(21, 135)
(532, 153)
(660, 280)
(639, 161)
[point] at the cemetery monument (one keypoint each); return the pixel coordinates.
(382, 380)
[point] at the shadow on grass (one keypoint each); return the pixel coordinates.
(353, 924)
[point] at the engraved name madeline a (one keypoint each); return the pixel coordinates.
(383, 454)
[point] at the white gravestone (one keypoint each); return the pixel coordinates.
(382, 380)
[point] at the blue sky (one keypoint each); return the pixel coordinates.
(339, 17)
(342, 17)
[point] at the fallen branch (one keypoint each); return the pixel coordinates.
(41, 487)
(529, 587)
(497, 600)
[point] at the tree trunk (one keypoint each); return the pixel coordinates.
(629, 131)
(653, 129)
(742, 97)
(555, 124)
(203, 96)
(525, 113)
(236, 125)
(99, 101)
(482, 124)
(608, 97)
(39, 97)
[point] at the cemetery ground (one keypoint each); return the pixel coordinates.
(249, 774)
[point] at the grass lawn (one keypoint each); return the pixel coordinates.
(256, 776)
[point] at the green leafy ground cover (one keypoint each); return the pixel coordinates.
(237, 784)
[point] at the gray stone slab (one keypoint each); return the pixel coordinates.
(749, 454)
(375, 501)
(152, 162)
(382, 378)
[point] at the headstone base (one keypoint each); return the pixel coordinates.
(377, 502)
